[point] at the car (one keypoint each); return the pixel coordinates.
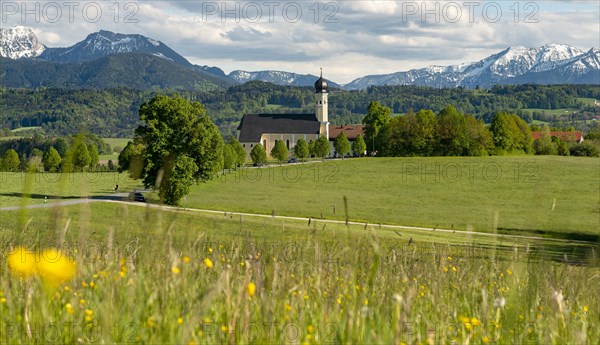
(258, 164)
(137, 196)
(293, 160)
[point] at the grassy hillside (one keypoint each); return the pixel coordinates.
(544, 194)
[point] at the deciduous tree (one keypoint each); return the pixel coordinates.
(341, 144)
(301, 149)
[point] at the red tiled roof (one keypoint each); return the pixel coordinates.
(564, 136)
(351, 131)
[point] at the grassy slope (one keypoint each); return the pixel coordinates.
(550, 194)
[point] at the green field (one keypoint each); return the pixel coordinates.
(121, 142)
(143, 276)
(544, 194)
(587, 101)
(148, 275)
(557, 112)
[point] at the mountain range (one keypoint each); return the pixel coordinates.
(106, 59)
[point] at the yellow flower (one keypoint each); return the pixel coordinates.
(89, 315)
(150, 322)
(69, 308)
(186, 259)
(486, 339)
(175, 270)
(287, 307)
(310, 329)
(208, 263)
(366, 302)
(21, 262)
(475, 322)
(180, 321)
(2, 300)
(508, 271)
(585, 308)
(55, 267)
(223, 328)
(210, 249)
(454, 269)
(81, 302)
(251, 289)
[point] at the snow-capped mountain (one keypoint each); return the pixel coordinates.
(19, 42)
(552, 63)
(104, 43)
(277, 77)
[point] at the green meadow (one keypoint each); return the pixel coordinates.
(148, 274)
(543, 195)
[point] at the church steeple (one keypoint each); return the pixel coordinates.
(321, 84)
(321, 103)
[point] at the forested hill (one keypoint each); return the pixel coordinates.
(113, 112)
(130, 70)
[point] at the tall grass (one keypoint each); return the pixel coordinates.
(151, 276)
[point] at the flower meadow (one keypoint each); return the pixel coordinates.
(153, 277)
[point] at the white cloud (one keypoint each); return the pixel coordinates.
(348, 39)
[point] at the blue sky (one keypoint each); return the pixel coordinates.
(348, 39)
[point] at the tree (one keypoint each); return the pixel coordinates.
(301, 149)
(37, 153)
(410, 135)
(94, 157)
(341, 144)
(181, 145)
(279, 151)
(131, 159)
(111, 165)
(451, 133)
(377, 117)
(81, 156)
(229, 157)
(544, 145)
(311, 148)
(358, 145)
(239, 150)
(51, 160)
(62, 146)
(258, 154)
(479, 138)
(322, 147)
(11, 161)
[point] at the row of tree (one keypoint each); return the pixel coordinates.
(450, 133)
(80, 157)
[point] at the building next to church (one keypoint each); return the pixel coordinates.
(267, 129)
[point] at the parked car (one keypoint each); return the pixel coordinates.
(293, 160)
(258, 164)
(137, 196)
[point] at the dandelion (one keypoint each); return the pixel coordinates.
(287, 307)
(89, 315)
(454, 269)
(310, 329)
(150, 322)
(508, 271)
(69, 308)
(251, 289)
(81, 302)
(21, 262)
(186, 259)
(175, 270)
(224, 329)
(2, 300)
(55, 267)
(180, 321)
(208, 263)
(486, 339)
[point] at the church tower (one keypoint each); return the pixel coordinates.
(321, 105)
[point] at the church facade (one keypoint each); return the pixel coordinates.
(267, 129)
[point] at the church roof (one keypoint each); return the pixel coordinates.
(253, 126)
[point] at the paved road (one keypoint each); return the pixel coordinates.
(121, 198)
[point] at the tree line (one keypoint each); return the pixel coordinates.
(114, 112)
(452, 133)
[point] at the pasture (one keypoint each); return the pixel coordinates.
(149, 274)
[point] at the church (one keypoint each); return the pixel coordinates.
(267, 129)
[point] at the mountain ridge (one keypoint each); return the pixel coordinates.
(548, 64)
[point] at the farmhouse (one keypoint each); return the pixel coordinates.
(267, 129)
(564, 136)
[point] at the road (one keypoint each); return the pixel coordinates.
(121, 198)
